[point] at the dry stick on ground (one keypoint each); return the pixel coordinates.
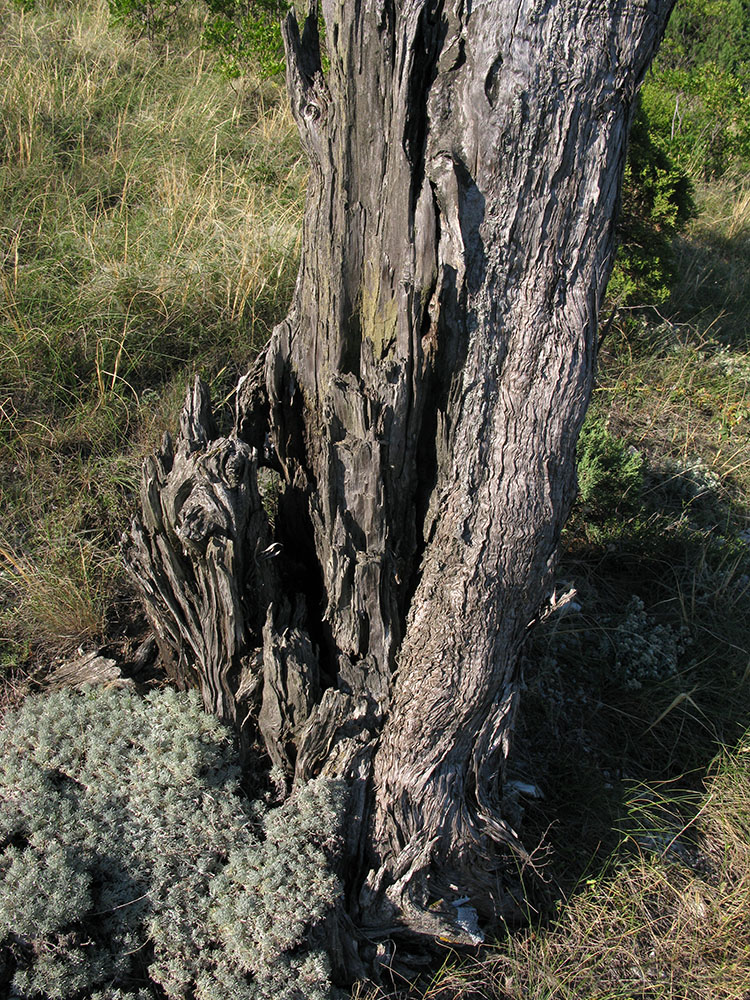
(421, 402)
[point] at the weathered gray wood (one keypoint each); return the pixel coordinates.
(85, 669)
(421, 402)
(199, 554)
(290, 686)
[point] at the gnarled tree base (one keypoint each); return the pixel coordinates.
(420, 404)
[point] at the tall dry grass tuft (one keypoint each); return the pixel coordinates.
(53, 604)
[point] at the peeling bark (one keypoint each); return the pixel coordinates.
(421, 402)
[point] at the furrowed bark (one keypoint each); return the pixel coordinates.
(421, 403)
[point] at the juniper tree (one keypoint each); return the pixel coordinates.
(420, 404)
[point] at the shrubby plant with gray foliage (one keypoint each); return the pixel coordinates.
(643, 650)
(630, 648)
(129, 858)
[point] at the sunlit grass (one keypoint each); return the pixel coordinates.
(150, 211)
(149, 229)
(677, 382)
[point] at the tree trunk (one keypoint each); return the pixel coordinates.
(421, 404)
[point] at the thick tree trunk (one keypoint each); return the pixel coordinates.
(421, 404)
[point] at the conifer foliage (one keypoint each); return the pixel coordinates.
(130, 862)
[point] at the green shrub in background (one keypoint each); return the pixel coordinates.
(156, 19)
(693, 122)
(610, 475)
(698, 93)
(702, 31)
(656, 203)
(243, 34)
(246, 32)
(128, 857)
(700, 117)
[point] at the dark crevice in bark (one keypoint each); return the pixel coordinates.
(471, 209)
(301, 574)
(351, 344)
(426, 49)
(307, 46)
(447, 347)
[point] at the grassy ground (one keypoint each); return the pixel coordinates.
(149, 221)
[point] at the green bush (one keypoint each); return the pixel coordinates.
(698, 94)
(130, 862)
(692, 122)
(246, 32)
(610, 475)
(702, 31)
(656, 203)
(243, 34)
(156, 19)
(701, 118)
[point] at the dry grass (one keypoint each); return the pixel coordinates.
(677, 383)
(54, 605)
(149, 228)
(151, 212)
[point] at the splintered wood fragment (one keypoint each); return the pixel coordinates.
(84, 669)
(192, 555)
(290, 686)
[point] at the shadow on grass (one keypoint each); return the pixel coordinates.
(641, 677)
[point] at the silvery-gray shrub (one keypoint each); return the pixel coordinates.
(128, 857)
(644, 651)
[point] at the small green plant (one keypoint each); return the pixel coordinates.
(610, 475)
(128, 856)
